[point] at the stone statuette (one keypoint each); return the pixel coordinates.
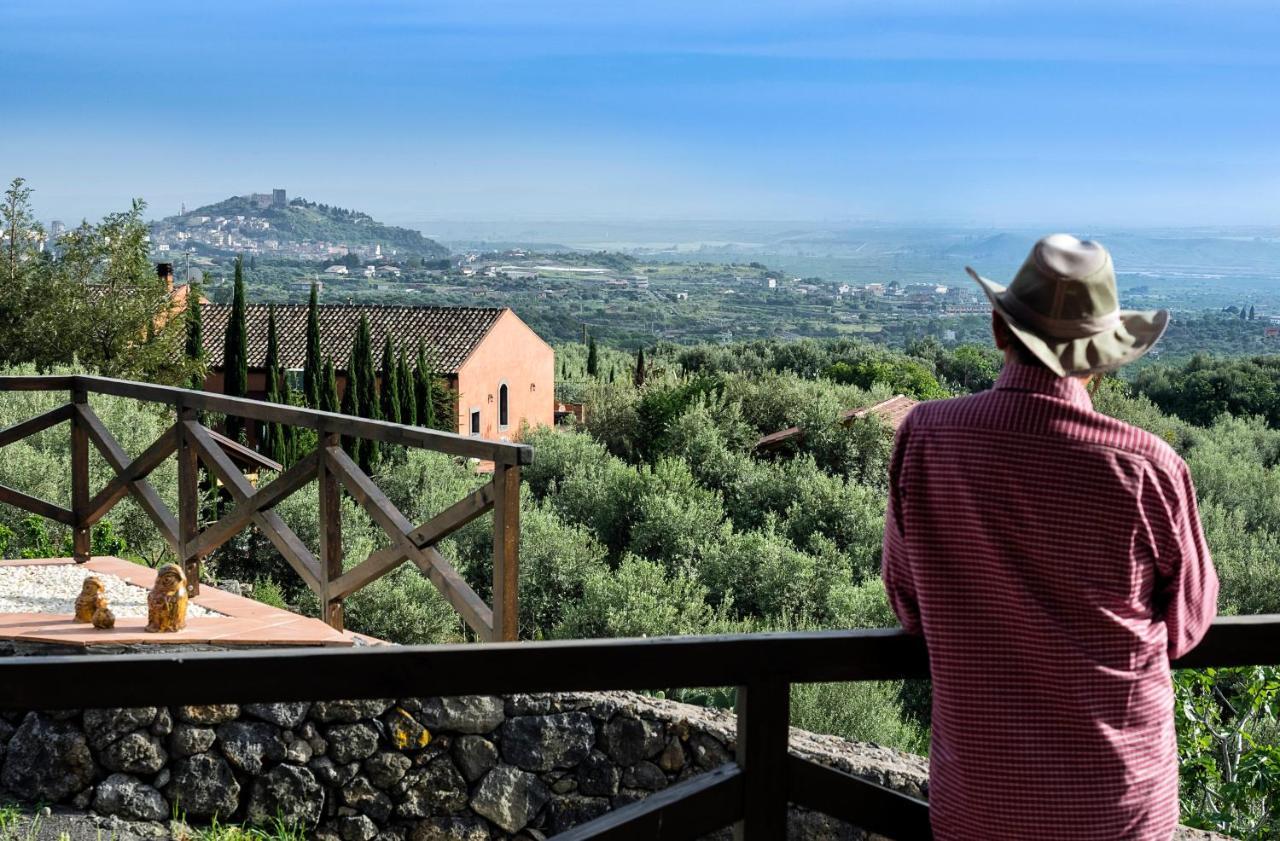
(167, 602)
(103, 618)
(87, 601)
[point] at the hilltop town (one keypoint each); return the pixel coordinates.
(273, 224)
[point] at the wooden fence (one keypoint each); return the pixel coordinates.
(751, 792)
(328, 464)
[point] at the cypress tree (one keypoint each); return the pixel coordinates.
(424, 402)
(235, 356)
(329, 392)
(311, 371)
(350, 399)
(404, 383)
(639, 377)
(389, 397)
(195, 338)
(276, 441)
(593, 359)
(1252, 312)
(366, 400)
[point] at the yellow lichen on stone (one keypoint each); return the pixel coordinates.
(407, 733)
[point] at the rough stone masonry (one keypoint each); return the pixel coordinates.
(466, 768)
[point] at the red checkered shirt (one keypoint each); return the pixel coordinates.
(1054, 561)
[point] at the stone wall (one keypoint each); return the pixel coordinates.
(467, 768)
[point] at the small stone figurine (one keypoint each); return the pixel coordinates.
(103, 618)
(167, 602)
(90, 594)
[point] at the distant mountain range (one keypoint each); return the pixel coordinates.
(267, 223)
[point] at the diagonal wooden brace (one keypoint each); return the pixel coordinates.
(473, 505)
(216, 534)
(441, 573)
(288, 544)
(147, 497)
(39, 423)
(139, 468)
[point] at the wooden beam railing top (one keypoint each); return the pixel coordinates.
(195, 445)
(752, 790)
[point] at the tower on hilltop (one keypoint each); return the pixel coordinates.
(278, 198)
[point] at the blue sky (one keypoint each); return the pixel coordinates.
(985, 113)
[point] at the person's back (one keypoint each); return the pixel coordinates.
(1053, 560)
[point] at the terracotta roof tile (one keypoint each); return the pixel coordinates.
(450, 333)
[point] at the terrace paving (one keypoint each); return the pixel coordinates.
(243, 621)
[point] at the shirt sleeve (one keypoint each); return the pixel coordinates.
(895, 563)
(1186, 595)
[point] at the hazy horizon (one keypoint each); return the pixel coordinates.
(986, 114)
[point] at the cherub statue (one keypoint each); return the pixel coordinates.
(87, 602)
(103, 618)
(167, 602)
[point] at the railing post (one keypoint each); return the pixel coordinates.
(506, 552)
(330, 493)
(81, 537)
(188, 500)
(764, 721)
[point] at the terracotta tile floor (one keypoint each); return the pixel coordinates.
(244, 622)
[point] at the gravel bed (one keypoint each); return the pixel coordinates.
(52, 588)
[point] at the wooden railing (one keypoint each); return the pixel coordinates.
(751, 792)
(328, 464)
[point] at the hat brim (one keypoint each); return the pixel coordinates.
(1137, 333)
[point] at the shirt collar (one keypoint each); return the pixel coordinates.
(1033, 378)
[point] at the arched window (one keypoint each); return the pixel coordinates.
(502, 405)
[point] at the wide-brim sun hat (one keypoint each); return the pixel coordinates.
(1064, 307)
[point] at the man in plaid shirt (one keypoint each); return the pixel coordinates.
(1053, 559)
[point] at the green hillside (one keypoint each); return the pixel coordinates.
(302, 220)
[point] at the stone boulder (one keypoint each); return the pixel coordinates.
(248, 745)
(351, 742)
(356, 828)
(134, 753)
(463, 713)
(103, 727)
(332, 774)
(203, 786)
(475, 756)
(129, 797)
(404, 731)
(209, 714)
(451, 829)
(347, 712)
(287, 792)
(628, 740)
(47, 760)
(386, 768)
(510, 797)
(360, 794)
(281, 715)
(569, 810)
(544, 742)
(598, 776)
(189, 739)
(439, 787)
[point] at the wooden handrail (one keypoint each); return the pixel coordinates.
(195, 445)
(499, 452)
(504, 668)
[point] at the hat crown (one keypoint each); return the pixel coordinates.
(1067, 279)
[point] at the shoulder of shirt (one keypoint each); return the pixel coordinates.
(1129, 438)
